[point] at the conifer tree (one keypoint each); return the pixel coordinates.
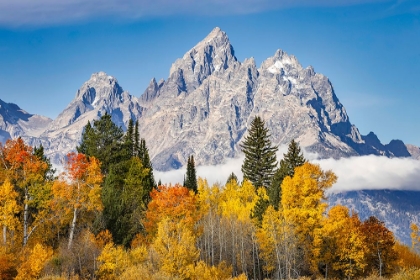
(260, 156)
(149, 182)
(39, 153)
(292, 159)
(231, 177)
(103, 140)
(191, 178)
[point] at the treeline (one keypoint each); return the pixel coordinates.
(105, 217)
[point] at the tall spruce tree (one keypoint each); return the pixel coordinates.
(39, 153)
(191, 177)
(292, 159)
(103, 140)
(260, 155)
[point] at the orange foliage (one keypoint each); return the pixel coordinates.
(176, 202)
(7, 265)
(406, 257)
(19, 163)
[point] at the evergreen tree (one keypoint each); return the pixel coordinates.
(87, 140)
(149, 180)
(39, 153)
(260, 156)
(103, 140)
(129, 140)
(260, 207)
(191, 178)
(292, 159)
(136, 139)
(231, 177)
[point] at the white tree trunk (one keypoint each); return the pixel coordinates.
(72, 228)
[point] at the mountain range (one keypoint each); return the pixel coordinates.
(204, 109)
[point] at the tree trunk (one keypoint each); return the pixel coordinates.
(25, 218)
(4, 235)
(72, 228)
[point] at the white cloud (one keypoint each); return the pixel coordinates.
(46, 12)
(354, 173)
(374, 172)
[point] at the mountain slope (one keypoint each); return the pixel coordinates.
(398, 209)
(15, 122)
(100, 94)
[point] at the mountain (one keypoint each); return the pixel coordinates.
(209, 99)
(204, 109)
(205, 106)
(398, 209)
(100, 94)
(15, 122)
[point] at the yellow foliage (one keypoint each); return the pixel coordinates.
(407, 258)
(302, 203)
(8, 207)
(409, 274)
(34, 263)
(175, 247)
(340, 245)
(202, 271)
(415, 238)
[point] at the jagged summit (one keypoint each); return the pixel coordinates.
(207, 102)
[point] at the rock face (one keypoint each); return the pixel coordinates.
(205, 106)
(100, 94)
(15, 122)
(209, 99)
(414, 151)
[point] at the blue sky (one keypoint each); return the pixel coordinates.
(369, 49)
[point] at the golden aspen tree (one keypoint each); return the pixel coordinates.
(34, 262)
(406, 257)
(303, 205)
(7, 264)
(208, 201)
(340, 248)
(79, 189)
(8, 209)
(175, 247)
(235, 207)
(379, 247)
(415, 238)
(277, 245)
(175, 202)
(116, 260)
(26, 172)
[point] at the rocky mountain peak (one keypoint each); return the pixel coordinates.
(281, 63)
(213, 54)
(99, 86)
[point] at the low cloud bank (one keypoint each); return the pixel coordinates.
(373, 173)
(354, 173)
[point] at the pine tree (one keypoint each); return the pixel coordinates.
(39, 153)
(103, 140)
(292, 159)
(191, 178)
(260, 156)
(149, 182)
(231, 177)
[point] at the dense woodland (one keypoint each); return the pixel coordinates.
(105, 217)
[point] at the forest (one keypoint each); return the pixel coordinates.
(105, 217)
